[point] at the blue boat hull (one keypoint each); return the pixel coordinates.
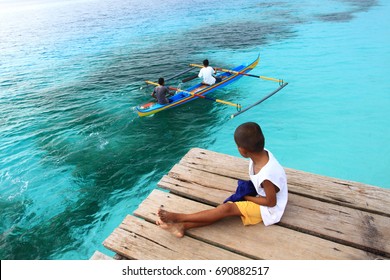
(199, 89)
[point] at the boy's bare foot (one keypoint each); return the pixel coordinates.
(166, 217)
(176, 229)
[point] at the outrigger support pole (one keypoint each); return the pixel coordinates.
(258, 102)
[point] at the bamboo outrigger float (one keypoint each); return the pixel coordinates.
(200, 90)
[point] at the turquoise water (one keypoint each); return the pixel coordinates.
(74, 157)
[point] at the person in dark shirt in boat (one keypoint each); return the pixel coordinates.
(160, 92)
(207, 73)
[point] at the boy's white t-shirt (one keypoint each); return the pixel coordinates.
(273, 172)
(207, 74)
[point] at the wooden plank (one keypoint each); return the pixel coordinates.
(120, 258)
(141, 240)
(360, 229)
(259, 242)
(216, 163)
(202, 177)
(100, 256)
(349, 226)
(194, 191)
(342, 192)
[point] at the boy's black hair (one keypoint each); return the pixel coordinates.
(206, 62)
(250, 137)
(161, 81)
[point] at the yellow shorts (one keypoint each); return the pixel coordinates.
(250, 212)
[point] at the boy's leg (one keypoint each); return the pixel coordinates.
(178, 229)
(204, 217)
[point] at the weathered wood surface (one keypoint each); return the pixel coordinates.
(141, 240)
(350, 226)
(325, 218)
(97, 256)
(256, 242)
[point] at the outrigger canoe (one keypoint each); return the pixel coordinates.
(197, 91)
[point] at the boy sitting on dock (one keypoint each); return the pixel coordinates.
(267, 176)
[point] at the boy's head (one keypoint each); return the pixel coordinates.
(161, 81)
(205, 62)
(248, 136)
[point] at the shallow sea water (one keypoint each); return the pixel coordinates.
(75, 158)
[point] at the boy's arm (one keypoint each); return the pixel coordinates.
(270, 195)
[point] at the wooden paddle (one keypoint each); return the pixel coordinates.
(241, 73)
(189, 78)
(177, 75)
(238, 106)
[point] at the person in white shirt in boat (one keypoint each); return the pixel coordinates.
(161, 92)
(207, 73)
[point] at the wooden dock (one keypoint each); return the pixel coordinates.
(325, 218)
